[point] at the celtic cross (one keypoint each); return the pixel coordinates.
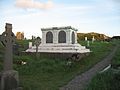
(37, 43)
(8, 39)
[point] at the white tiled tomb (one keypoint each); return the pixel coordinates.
(59, 40)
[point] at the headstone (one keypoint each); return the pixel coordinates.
(37, 43)
(88, 43)
(93, 39)
(85, 38)
(16, 49)
(30, 44)
(8, 77)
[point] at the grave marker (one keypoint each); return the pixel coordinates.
(30, 44)
(85, 38)
(8, 77)
(37, 43)
(93, 39)
(88, 43)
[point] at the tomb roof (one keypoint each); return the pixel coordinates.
(58, 28)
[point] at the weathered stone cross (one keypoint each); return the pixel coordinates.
(37, 43)
(8, 39)
(8, 77)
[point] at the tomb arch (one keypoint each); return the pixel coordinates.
(49, 37)
(62, 37)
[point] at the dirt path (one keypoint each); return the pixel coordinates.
(79, 82)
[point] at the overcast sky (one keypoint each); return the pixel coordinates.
(29, 16)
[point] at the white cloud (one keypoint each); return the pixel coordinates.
(34, 4)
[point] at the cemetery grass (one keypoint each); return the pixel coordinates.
(110, 79)
(49, 74)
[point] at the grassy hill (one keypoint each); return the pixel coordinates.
(97, 36)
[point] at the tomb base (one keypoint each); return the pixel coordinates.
(9, 80)
(59, 48)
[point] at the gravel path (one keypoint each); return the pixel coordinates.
(79, 82)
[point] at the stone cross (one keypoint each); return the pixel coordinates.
(37, 43)
(8, 39)
(8, 77)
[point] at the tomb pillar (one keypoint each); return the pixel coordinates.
(75, 37)
(68, 37)
(55, 36)
(43, 37)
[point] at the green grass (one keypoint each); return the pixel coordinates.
(105, 81)
(49, 74)
(109, 80)
(116, 59)
(23, 44)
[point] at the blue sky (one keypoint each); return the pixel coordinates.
(29, 16)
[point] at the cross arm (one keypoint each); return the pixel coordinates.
(0, 37)
(1, 40)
